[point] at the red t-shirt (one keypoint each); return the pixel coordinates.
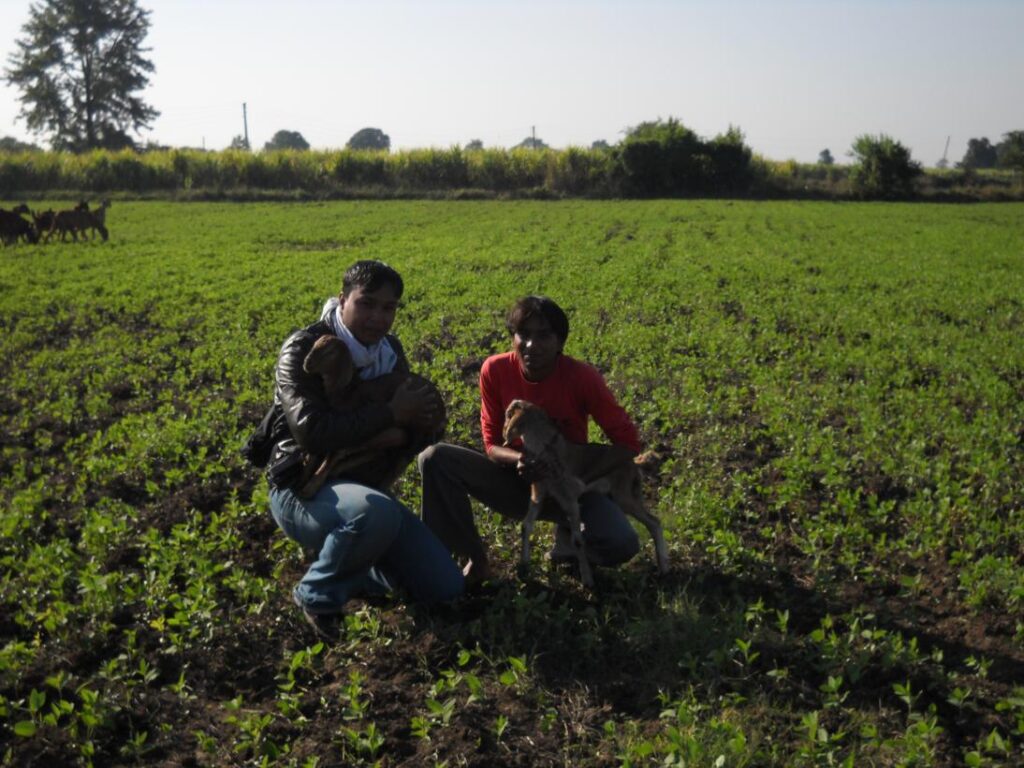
(571, 394)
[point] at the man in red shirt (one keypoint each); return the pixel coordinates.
(570, 392)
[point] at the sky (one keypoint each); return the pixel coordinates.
(795, 77)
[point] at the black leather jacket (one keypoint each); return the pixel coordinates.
(301, 405)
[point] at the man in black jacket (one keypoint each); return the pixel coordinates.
(367, 543)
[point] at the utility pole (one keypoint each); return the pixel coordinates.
(944, 163)
(245, 124)
(533, 137)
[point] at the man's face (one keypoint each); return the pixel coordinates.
(537, 348)
(369, 315)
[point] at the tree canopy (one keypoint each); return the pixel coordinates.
(11, 144)
(882, 168)
(370, 138)
(825, 157)
(981, 153)
(287, 140)
(664, 157)
(531, 143)
(1011, 150)
(79, 66)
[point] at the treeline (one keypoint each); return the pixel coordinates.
(658, 159)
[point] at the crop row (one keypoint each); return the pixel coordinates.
(836, 394)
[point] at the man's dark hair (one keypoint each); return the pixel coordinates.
(538, 306)
(371, 275)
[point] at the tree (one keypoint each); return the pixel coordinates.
(882, 168)
(287, 140)
(1011, 150)
(600, 144)
(981, 153)
(79, 66)
(825, 157)
(239, 142)
(664, 157)
(11, 144)
(370, 138)
(475, 145)
(531, 143)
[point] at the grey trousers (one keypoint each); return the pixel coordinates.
(452, 474)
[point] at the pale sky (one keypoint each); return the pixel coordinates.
(796, 77)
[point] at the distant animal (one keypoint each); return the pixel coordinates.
(380, 461)
(13, 227)
(99, 217)
(43, 220)
(79, 220)
(567, 463)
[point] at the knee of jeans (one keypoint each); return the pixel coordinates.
(383, 520)
(431, 457)
(426, 457)
(452, 589)
(621, 548)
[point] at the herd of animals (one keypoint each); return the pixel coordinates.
(21, 223)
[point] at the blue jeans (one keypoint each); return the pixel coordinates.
(367, 544)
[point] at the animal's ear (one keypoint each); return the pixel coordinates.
(318, 355)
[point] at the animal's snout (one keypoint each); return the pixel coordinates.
(512, 413)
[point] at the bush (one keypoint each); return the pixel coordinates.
(882, 169)
(730, 162)
(667, 158)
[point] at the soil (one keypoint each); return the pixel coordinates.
(581, 680)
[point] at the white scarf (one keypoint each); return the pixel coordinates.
(371, 361)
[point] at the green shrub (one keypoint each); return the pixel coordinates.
(883, 169)
(665, 158)
(577, 171)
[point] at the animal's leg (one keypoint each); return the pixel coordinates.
(332, 466)
(312, 479)
(576, 537)
(653, 525)
(527, 528)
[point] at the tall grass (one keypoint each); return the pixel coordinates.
(573, 171)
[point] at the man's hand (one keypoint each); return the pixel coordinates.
(534, 469)
(415, 406)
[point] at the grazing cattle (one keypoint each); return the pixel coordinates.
(78, 220)
(43, 221)
(99, 218)
(13, 227)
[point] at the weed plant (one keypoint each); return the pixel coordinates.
(835, 393)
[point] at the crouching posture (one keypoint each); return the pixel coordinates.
(570, 392)
(365, 541)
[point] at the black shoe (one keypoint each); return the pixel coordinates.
(326, 625)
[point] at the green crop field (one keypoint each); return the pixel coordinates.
(835, 392)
